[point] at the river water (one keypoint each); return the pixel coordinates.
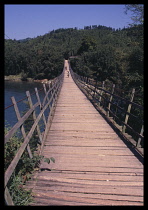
(18, 90)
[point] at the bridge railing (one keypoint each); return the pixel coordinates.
(126, 115)
(48, 104)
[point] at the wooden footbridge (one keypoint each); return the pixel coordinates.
(93, 165)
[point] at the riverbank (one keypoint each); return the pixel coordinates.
(19, 78)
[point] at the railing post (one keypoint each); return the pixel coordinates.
(34, 115)
(45, 91)
(95, 89)
(101, 93)
(38, 98)
(8, 198)
(44, 86)
(128, 110)
(57, 85)
(51, 85)
(139, 139)
(110, 100)
(22, 127)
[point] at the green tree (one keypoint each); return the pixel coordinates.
(137, 12)
(88, 43)
(98, 52)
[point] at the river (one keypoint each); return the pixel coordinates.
(18, 90)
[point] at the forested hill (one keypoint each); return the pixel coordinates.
(101, 52)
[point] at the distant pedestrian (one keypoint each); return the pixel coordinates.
(68, 73)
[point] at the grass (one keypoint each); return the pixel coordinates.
(13, 77)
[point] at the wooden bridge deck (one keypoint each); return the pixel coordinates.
(92, 164)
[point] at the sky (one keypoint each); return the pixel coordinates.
(31, 20)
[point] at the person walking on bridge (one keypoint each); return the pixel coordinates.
(67, 73)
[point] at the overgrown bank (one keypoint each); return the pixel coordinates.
(25, 167)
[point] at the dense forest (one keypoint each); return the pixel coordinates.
(96, 51)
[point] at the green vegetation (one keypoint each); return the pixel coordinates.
(25, 167)
(102, 53)
(137, 12)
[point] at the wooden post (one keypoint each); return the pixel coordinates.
(46, 96)
(56, 89)
(8, 198)
(38, 98)
(44, 86)
(95, 89)
(101, 93)
(139, 139)
(34, 115)
(53, 92)
(51, 85)
(22, 127)
(111, 97)
(128, 110)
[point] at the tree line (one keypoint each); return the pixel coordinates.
(101, 53)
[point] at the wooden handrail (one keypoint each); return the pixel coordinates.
(92, 91)
(51, 101)
(20, 122)
(106, 91)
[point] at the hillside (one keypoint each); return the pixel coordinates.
(102, 53)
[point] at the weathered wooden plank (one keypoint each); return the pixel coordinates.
(55, 202)
(90, 182)
(97, 157)
(95, 172)
(88, 189)
(83, 194)
(95, 169)
(90, 176)
(76, 141)
(76, 199)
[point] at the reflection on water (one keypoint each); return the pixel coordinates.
(18, 90)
